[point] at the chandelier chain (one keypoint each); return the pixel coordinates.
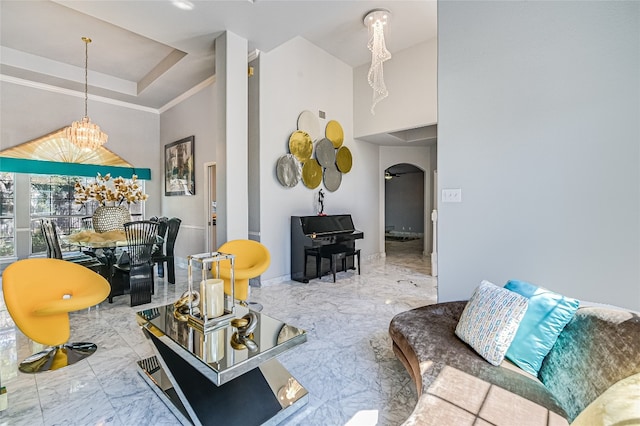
(86, 75)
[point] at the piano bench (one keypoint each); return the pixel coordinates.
(333, 255)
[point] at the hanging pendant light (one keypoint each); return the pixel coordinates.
(376, 21)
(84, 133)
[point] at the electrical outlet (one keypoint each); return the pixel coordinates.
(452, 195)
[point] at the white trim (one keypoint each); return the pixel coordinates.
(199, 228)
(41, 86)
(75, 93)
(195, 89)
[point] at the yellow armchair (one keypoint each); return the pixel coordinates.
(39, 294)
(251, 260)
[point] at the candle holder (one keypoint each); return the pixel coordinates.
(202, 318)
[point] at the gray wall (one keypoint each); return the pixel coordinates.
(193, 116)
(538, 124)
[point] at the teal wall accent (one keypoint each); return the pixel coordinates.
(19, 165)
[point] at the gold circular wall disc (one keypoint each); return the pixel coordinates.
(344, 161)
(334, 133)
(311, 173)
(300, 145)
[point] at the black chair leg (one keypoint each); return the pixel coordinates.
(161, 269)
(141, 284)
(171, 266)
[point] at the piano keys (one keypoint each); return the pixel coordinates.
(331, 232)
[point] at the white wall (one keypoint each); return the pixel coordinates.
(538, 124)
(294, 77)
(193, 116)
(410, 77)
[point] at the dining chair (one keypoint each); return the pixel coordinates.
(137, 274)
(39, 293)
(54, 251)
(87, 223)
(162, 234)
(165, 248)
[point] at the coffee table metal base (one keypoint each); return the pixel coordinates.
(263, 396)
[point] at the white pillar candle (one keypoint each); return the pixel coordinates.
(214, 343)
(212, 297)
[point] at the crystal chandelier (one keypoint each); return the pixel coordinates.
(84, 133)
(376, 21)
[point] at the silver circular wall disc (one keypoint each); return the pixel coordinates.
(332, 178)
(289, 170)
(325, 153)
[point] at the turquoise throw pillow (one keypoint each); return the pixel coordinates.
(546, 316)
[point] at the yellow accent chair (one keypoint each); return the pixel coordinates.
(39, 294)
(251, 260)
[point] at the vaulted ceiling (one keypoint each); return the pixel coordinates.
(150, 52)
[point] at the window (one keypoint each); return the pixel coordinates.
(7, 223)
(52, 197)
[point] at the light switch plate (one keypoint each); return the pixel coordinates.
(453, 195)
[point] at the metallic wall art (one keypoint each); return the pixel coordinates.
(289, 170)
(334, 133)
(332, 158)
(325, 153)
(308, 122)
(344, 161)
(300, 145)
(332, 178)
(311, 173)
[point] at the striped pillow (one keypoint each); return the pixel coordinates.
(490, 320)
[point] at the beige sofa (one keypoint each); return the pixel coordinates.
(456, 386)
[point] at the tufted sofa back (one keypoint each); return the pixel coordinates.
(596, 349)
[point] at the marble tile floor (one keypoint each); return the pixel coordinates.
(347, 364)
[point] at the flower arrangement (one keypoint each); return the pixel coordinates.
(107, 191)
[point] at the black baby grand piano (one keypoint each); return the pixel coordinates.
(328, 233)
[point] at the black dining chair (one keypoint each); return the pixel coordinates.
(137, 274)
(162, 235)
(87, 223)
(165, 248)
(54, 251)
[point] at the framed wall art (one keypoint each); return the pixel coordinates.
(179, 173)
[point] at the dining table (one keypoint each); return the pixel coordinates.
(105, 242)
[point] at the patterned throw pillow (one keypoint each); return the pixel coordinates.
(490, 320)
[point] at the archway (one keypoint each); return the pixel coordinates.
(404, 210)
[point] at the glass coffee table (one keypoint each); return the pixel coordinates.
(213, 377)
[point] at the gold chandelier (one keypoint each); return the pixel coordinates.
(84, 133)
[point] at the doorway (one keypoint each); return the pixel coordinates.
(404, 209)
(211, 207)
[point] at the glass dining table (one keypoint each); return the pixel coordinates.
(104, 245)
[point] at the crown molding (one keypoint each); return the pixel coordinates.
(69, 92)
